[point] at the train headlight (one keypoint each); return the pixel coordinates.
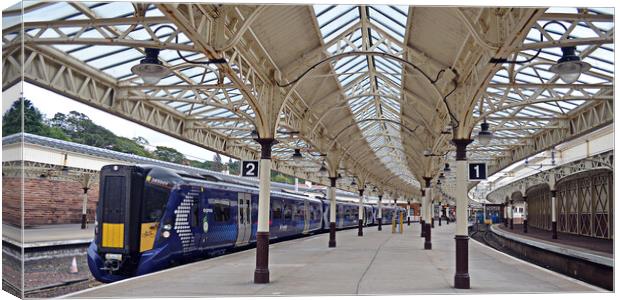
(167, 227)
(165, 234)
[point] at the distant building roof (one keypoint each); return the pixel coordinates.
(136, 159)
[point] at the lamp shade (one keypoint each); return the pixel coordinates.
(484, 136)
(297, 155)
(150, 69)
(569, 67)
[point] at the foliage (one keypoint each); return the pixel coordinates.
(78, 127)
(33, 121)
(234, 167)
(279, 177)
(169, 154)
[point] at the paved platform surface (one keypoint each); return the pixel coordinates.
(584, 243)
(48, 235)
(374, 264)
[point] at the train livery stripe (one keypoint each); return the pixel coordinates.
(113, 235)
(147, 235)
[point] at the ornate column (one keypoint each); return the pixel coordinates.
(525, 214)
(422, 213)
(554, 224)
(461, 277)
(511, 214)
(360, 231)
(379, 213)
(408, 209)
(332, 212)
(428, 245)
(261, 274)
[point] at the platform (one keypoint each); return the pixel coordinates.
(48, 235)
(370, 265)
(602, 247)
(563, 245)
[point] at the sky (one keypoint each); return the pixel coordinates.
(50, 103)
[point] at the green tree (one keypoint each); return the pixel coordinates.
(81, 129)
(279, 177)
(126, 145)
(33, 121)
(234, 167)
(169, 154)
(218, 166)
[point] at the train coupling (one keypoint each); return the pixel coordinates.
(112, 262)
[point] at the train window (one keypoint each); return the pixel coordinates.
(276, 212)
(154, 202)
(288, 213)
(221, 212)
(113, 199)
(300, 213)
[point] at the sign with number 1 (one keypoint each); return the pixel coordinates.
(249, 168)
(477, 171)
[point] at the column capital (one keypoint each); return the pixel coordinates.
(332, 181)
(461, 148)
(265, 147)
(361, 192)
(427, 181)
(380, 197)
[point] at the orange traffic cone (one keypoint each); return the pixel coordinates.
(73, 268)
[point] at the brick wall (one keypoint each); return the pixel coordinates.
(46, 201)
(11, 207)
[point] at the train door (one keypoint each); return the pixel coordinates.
(244, 218)
(306, 217)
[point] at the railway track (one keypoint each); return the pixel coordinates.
(46, 270)
(488, 238)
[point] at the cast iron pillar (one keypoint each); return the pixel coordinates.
(432, 209)
(554, 224)
(261, 274)
(332, 212)
(379, 213)
(84, 205)
(422, 213)
(461, 277)
(428, 215)
(512, 215)
(525, 214)
(408, 210)
(360, 215)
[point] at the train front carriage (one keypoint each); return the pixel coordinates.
(126, 226)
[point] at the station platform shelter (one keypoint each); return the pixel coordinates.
(428, 114)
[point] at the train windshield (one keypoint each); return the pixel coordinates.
(154, 202)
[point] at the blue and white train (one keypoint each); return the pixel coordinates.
(150, 218)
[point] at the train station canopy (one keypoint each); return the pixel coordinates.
(373, 93)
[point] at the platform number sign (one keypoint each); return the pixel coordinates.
(477, 171)
(249, 168)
